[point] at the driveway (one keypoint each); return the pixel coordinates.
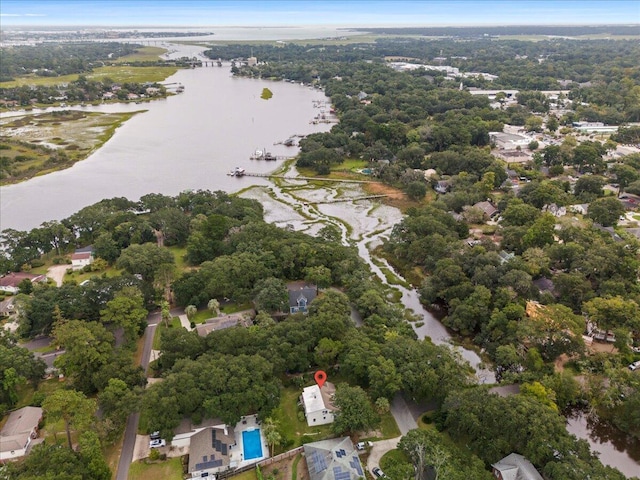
(56, 273)
(378, 450)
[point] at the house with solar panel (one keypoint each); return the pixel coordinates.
(318, 404)
(210, 446)
(334, 459)
(210, 451)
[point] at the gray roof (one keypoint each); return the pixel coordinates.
(487, 207)
(296, 294)
(516, 467)
(209, 449)
(17, 430)
(545, 284)
(334, 459)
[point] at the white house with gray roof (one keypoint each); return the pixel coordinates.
(317, 403)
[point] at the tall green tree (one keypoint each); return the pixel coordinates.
(117, 401)
(144, 259)
(354, 411)
(126, 310)
(71, 406)
(88, 348)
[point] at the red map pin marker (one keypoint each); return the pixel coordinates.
(320, 377)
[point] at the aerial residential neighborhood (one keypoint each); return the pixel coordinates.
(435, 275)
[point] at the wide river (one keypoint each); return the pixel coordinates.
(191, 141)
(188, 141)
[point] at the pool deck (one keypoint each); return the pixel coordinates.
(247, 423)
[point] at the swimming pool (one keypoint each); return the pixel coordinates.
(251, 444)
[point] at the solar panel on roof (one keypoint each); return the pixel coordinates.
(338, 453)
(210, 464)
(344, 454)
(318, 461)
(340, 475)
(355, 464)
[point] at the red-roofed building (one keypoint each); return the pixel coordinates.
(9, 283)
(82, 257)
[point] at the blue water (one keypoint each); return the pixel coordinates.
(251, 444)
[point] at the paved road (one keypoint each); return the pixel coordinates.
(36, 343)
(129, 442)
(402, 414)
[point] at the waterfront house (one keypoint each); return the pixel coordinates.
(18, 433)
(82, 257)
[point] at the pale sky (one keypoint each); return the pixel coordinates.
(317, 12)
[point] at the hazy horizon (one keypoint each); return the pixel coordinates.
(288, 13)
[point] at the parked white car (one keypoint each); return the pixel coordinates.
(157, 443)
(634, 365)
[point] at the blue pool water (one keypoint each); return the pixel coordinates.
(251, 444)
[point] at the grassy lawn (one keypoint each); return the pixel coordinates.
(248, 475)
(201, 316)
(286, 416)
(393, 457)
(80, 276)
(388, 426)
(235, 307)
(170, 469)
(178, 255)
(26, 391)
(144, 54)
(174, 323)
(351, 164)
(112, 455)
(117, 73)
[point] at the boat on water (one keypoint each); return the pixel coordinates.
(263, 155)
(237, 172)
(289, 142)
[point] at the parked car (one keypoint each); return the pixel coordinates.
(634, 365)
(155, 436)
(157, 443)
(378, 473)
(363, 445)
